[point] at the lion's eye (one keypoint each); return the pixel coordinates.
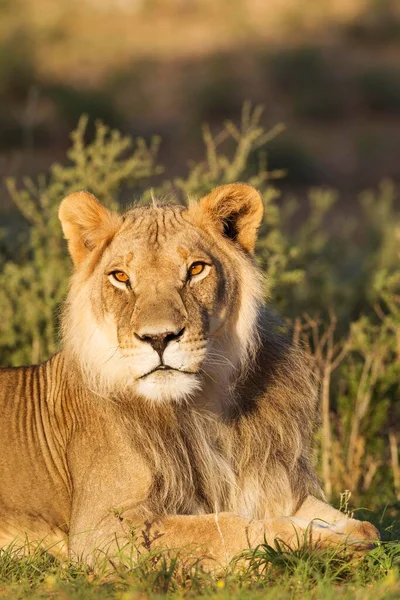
(196, 268)
(120, 276)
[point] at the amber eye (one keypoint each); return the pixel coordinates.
(120, 276)
(196, 269)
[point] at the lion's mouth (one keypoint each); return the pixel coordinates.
(163, 368)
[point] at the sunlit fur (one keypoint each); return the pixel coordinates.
(220, 354)
(94, 442)
(254, 461)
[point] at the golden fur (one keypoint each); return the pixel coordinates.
(177, 399)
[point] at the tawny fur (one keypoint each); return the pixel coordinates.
(214, 448)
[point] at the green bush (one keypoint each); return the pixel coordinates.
(334, 278)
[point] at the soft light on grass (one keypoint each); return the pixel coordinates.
(266, 572)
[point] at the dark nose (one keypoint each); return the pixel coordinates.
(160, 341)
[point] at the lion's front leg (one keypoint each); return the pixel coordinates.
(213, 540)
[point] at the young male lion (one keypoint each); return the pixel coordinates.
(176, 407)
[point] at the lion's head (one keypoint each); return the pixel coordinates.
(164, 299)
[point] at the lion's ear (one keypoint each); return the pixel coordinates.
(236, 210)
(86, 224)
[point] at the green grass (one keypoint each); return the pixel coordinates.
(266, 572)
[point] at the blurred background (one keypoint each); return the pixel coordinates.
(324, 153)
(328, 69)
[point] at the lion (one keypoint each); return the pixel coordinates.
(177, 408)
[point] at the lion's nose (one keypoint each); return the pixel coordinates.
(159, 341)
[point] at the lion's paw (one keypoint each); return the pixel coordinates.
(360, 535)
(356, 536)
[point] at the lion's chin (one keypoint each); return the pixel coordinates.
(168, 385)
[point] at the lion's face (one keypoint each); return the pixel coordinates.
(159, 294)
(157, 306)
